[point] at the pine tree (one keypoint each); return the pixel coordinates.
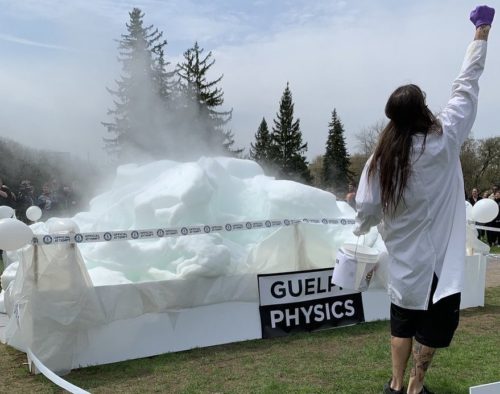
(287, 149)
(141, 94)
(336, 160)
(203, 98)
(261, 150)
(168, 87)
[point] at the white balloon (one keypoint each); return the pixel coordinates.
(6, 212)
(14, 234)
(468, 211)
(485, 210)
(33, 213)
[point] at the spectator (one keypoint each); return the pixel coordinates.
(67, 204)
(44, 200)
(55, 196)
(475, 197)
(25, 199)
(7, 197)
(494, 190)
(494, 236)
(351, 195)
(79, 197)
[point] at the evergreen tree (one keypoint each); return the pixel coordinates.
(165, 80)
(316, 170)
(261, 150)
(202, 99)
(141, 94)
(287, 149)
(336, 160)
(228, 145)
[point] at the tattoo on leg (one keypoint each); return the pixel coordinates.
(422, 357)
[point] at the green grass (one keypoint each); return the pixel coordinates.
(345, 360)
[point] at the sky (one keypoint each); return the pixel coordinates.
(58, 57)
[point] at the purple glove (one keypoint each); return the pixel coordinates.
(482, 15)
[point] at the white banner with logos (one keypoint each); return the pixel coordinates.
(108, 236)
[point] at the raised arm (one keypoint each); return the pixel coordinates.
(482, 33)
(460, 112)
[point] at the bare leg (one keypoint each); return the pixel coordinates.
(400, 353)
(422, 357)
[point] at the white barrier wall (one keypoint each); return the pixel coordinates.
(134, 326)
(474, 281)
(156, 333)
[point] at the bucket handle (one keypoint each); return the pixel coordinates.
(357, 243)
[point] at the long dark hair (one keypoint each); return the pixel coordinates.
(408, 116)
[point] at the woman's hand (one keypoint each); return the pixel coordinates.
(482, 15)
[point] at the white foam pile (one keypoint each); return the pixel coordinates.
(210, 191)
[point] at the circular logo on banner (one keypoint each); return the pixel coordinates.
(134, 234)
(160, 232)
(78, 238)
(47, 239)
(324, 221)
(268, 223)
(108, 236)
(206, 229)
(287, 222)
(248, 225)
(184, 231)
(228, 227)
(343, 221)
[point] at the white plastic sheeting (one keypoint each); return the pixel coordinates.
(51, 299)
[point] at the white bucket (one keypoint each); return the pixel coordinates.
(354, 266)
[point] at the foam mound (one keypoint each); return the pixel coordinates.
(210, 191)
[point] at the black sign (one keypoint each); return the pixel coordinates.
(305, 301)
(280, 320)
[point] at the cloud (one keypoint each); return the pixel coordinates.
(350, 61)
(335, 54)
(23, 41)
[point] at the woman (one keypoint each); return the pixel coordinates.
(413, 186)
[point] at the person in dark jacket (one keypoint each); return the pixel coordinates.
(474, 197)
(7, 197)
(25, 199)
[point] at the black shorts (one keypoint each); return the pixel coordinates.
(433, 327)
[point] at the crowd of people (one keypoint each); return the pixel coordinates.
(54, 199)
(492, 237)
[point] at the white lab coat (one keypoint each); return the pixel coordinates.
(427, 234)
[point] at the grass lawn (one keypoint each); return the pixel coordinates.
(345, 360)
